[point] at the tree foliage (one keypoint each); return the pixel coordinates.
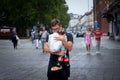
(25, 13)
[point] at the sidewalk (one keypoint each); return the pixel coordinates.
(105, 66)
(110, 44)
(28, 63)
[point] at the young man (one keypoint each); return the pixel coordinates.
(61, 72)
(44, 35)
(98, 34)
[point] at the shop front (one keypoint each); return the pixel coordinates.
(113, 18)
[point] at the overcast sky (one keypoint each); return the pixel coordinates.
(79, 6)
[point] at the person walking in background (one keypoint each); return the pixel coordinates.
(61, 72)
(98, 34)
(44, 35)
(36, 38)
(88, 39)
(14, 38)
(32, 36)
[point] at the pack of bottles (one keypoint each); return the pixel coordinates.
(63, 59)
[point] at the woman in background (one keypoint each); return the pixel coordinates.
(88, 40)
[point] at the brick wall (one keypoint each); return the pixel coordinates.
(104, 25)
(100, 7)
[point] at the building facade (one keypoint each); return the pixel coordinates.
(107, 13)
(74, 20)
(86, 21)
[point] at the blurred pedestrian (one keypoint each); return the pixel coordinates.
(98, 34)
(14, 38)
(32, 36)
(87, 36)
(44, 34)
(36, 38)
(61, 72)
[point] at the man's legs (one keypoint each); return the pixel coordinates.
(43, 41)
(36, 43)
(14, 45)
(32, 40)
(97, 46)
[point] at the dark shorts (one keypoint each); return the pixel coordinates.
(61, 74)
(57, 78)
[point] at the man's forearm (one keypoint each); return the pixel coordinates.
(65, 44)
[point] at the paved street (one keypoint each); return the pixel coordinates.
(28, 63)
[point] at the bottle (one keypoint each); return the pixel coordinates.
(66, 60)
(60, 60)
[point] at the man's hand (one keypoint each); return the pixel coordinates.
(60, 37)
(46, 48)
(55, 68)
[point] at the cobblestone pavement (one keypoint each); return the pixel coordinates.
(28, 63)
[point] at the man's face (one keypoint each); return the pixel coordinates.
(56, 28)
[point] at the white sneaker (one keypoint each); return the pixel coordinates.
(97, 52)
(88, 53)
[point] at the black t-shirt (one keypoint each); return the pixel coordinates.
(65, 71)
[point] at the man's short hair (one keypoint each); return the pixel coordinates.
(55, 22)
